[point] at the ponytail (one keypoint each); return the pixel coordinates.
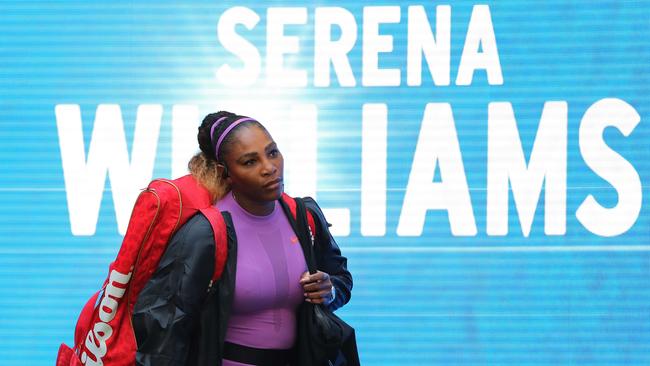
(205, 171)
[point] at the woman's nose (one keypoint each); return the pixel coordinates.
(268, 168)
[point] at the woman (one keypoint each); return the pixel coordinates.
(249, 316)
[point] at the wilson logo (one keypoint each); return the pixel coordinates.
(102, 331)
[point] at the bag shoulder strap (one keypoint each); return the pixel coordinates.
(196, 198)
(291, 203)
(304, 226)
(220, 239)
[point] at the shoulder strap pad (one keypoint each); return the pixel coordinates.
(291, 203)
(220, 239)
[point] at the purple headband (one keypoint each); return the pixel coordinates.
(225, 133)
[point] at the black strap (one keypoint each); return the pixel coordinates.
(256, 356)
(305, 235)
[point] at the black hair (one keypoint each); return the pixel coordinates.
(209, 134)
(204, 165)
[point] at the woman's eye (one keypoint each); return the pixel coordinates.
(249, 162)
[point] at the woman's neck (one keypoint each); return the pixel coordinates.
(253, 207)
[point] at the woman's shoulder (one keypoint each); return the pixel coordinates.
(193, 245)
(197, 231)
(313, 206)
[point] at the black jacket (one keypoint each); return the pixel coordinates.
(179, 320)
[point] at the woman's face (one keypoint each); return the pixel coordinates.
(255, 168)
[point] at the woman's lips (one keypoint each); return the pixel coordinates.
(274, 184)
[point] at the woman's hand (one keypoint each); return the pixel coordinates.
(318, 287)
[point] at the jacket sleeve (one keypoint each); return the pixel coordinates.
(329, 258)
(168, 307)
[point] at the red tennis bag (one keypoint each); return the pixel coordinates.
(104, 332)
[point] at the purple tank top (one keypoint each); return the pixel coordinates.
(267, 292)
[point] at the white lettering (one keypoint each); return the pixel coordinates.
(340, 220)
(185, 120)
(84, 181)
(298, 140)
(102, 332)
(437, 142)
(373, 44)
(88, 361)
(112, 293)
(236, 44)
(480, 34)
(278, 44)
(373, 169)
(610, 166)
(336, 52)
(97, 338)
(507, 164)
(97, 348)
(479, 50)
(436, 50)
(107, 308)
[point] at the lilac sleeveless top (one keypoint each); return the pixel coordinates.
(267, 292)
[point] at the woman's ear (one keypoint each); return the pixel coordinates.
(222, 169)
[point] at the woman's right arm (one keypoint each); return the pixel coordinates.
(167, 310)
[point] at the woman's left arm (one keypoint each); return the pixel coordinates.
(329, 258)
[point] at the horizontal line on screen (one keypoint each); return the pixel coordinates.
(351, 189)
(511, 248)
(28, 189)
(486, 315)
(356, 189)
(55, 251)
(375, 249)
